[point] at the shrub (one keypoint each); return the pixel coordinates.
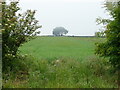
(16, 30)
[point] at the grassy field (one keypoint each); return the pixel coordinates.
(60, 47)
(60, 62)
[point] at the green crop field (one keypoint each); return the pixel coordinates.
(60, 47)
(60, 62)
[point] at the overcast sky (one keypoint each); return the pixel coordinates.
(77, 16)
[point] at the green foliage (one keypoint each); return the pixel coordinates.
(60, 73)
(111, 48)
(16, 29)
(111, 5)
(99, 34)
(60, 62)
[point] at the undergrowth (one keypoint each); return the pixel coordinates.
(29, 72)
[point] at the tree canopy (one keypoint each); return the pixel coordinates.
(59, 31)
(111, 48)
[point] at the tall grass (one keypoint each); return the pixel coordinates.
(60, 73)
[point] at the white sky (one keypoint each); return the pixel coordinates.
(77, 16)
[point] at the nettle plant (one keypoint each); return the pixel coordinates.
(16, 28)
